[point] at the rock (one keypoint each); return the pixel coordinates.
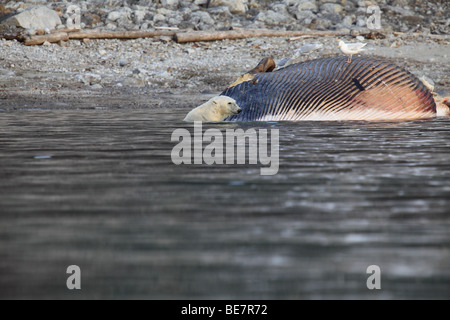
(406, 11)
(139, 16)
(3, 10)
(173, 22)
(220, 11)
(170, 4)
(348, 20)
(361, 21)
(159, 18)
(91, 19)
(123, 63)
(332, 17)
(331, 8)
(305, 17)
(303, 5)
(123, 15)
(97, 86)
(271, 17)
(361, 4)
(235, 6)
(89, 78)
(280, 8)
(111, 26)
(164, 12)
(34, 19)
(200, 2)
(165, 39)
(114, 16)
(402, 3)
(201, 17)
(320, 24)
(308, 5)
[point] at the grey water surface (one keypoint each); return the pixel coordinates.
(98, 189)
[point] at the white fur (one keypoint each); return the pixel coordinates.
(215, 110)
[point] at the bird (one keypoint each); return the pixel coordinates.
(309, 48)
(305, 49)
(351, 48)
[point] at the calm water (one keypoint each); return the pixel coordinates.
(98, 189)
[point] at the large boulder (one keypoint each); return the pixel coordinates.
(33, 19)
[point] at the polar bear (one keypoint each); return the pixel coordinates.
(215, 110)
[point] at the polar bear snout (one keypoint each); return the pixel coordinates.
(236, 109)
(233, 108)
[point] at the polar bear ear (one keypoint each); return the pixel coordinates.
(214, 101)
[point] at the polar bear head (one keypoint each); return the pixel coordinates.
(215, 110)
(227, 106)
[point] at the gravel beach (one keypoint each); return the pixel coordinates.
(158, 72)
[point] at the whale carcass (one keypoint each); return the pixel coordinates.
(331, 89)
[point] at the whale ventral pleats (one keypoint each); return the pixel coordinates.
(331, 89)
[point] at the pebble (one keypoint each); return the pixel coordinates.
(97, 86)
(123, 62)
(332, 8)
(234, 6)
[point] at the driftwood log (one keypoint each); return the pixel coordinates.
(250, 33)
(80, 35)
(66, 30)
(52, 38)
(437, 37)
(195, 36)
(120, 35)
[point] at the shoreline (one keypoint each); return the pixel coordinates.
(154, 73)
(159, 72)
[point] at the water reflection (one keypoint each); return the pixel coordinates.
(98, 189)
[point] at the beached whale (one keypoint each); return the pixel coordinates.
(331, 89)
